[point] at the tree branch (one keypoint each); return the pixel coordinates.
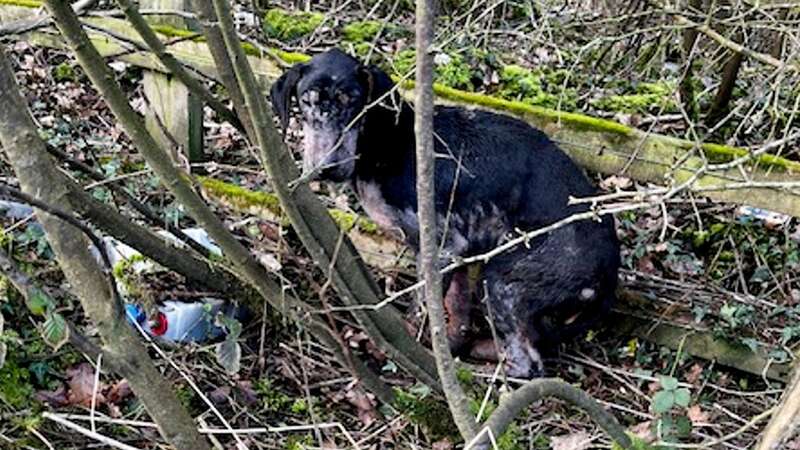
(785, 422)
(426, 212)
(140, 207)
(28, 288)
(173, 65)
(314, 225)
(540, 389)
(216, 46)
(36, 173)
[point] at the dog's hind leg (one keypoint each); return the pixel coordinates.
(458, 305)
(518, 339)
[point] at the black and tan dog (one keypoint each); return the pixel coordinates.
(495, 175)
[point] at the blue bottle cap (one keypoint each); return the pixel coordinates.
(135, 313)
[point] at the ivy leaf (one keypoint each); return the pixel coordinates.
(229, 354)
(233, 326)
(55, 331)
(682, 397)
(668, 383)
(39, 302)
(663, 401)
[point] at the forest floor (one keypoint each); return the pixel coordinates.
(709, 268)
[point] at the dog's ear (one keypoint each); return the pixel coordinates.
(375, 82)
(283, 89)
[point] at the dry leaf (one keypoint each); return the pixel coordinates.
(697, 415)
(580, 440)
(220, 395)
(444, 444)
(643, 431)
(365, 406)
(615, 182)
(56, 399)
(694, 373)
(81, 386)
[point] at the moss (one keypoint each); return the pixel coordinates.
(523, 84)
(647, 97)
(15, 387)
(288, 25)
(428, 412)
(404, 61)
(169, 31)
(452, 71)
(718, 153)
(292, 57)
(576, 121)
(23, 3)
(361, 31)
(250, 49)
(243, 198)
(538, 87)
(239, 196)
(64, 72)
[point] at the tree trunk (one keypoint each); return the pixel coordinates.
(38, 177)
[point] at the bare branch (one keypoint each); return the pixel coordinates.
(316, 228)
(36, 173)
(426, 212)
(173, 65)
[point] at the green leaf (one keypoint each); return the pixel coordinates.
(666, 425)
(683, 426)
(663, 401)
(420, 390)
(229, 354)
(668, 383)
(39, 302)
(728, 312)
(682, 397)
(55, 331)
(233, 326)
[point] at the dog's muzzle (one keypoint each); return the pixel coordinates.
(329, 153)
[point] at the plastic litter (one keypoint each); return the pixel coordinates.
(174, 321)
(182, 321)
(771, 219)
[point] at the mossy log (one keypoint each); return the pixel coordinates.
(597, 144)
(380, 250)
(631, 318)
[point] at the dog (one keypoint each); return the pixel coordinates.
(494, 175)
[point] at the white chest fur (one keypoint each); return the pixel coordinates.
(373, 202)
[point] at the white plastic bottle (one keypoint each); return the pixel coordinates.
(180, 321)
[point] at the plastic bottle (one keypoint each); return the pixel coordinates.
(181, 321)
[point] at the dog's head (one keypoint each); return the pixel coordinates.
(332, 90)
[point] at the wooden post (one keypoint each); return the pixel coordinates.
(172, 108)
